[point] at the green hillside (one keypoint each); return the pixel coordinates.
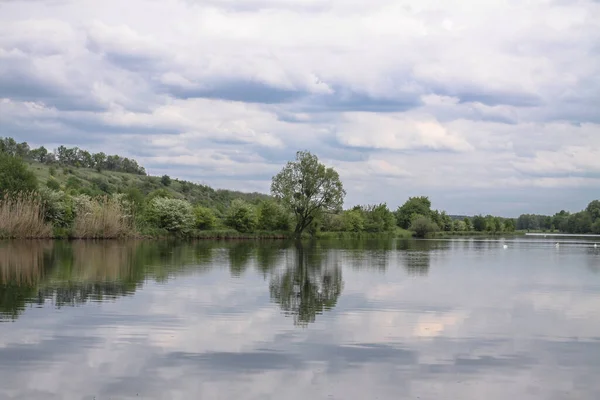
(87, 180)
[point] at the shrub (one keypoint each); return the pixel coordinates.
(204, 218)
(353, 221)
(241, 216)
(73, 183)
(22, 216)
(135, 197)
(165, 180)
(53, 184)
(52, 171)
(596, 227)
(15, 177)
(159, 193)
(273, 217)
(58, 208)
(422, 226)
(174, 215)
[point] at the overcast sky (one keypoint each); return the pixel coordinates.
(485, 106)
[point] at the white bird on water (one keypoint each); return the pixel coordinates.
(505, 246)
(557, 244)
(595, 245)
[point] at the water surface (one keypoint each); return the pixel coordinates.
(379, 319)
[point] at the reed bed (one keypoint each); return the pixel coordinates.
(22, 217)
(22, 262)
(103, 218)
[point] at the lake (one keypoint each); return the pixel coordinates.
(355, 319)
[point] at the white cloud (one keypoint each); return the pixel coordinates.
(469, 95)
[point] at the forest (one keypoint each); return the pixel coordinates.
(73, 193)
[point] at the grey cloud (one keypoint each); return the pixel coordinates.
(235, 90)
(491, 98)
(19, 82)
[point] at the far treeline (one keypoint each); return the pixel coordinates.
(72, 193)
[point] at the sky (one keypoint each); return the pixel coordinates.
(484, 106)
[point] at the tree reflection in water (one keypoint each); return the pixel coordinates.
(309, 283)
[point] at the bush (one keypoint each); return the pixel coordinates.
(52, 171)
(15, 177)
(596, 227)
(159, 193)
(272, 217)
(204, 218)
(173, 215)
(58, 208)
(53, 184)
(165, 180)
(353, 221)
(241, 216)
(422, 226)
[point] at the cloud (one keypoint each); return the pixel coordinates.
(397, 132)
(423, 95)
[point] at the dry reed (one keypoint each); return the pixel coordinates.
(22, 217)
(104, 218)
(22, 262)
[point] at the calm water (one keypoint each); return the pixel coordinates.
(463, 319)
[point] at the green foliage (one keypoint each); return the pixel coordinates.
(52, 171)
(580, 222)
(272, 216)
(15, 176)
(596, 227)
(379, 218)
(53, 184)
(136, 198)
(479, 223)
(307, 188)
(205, 218)
(468, 224)
(173, 215)
(353, 221)
(509, 225)
(160, 193)
(241, 216)
(422, 226)
(594, 210)
(165, 180)
(58, 208)
(413, 206)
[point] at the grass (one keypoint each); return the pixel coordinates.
(398, 233)
(475, 233)
(105, 218)
(111, 181)
(22, 217)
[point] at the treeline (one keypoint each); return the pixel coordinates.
(73, 156)
(585, 221)
(80, 203)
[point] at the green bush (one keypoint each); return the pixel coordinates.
(353, 221)
(273, 217)
(596, 227)
(165, 180)
(241, 216)
(422, 226)
(58, 208)
(174, 215)
(204, 218)
(15, 177)
(53, 184)
(159, 193)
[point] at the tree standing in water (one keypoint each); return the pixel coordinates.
(306, 187)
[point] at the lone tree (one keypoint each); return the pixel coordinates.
(307, 187)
